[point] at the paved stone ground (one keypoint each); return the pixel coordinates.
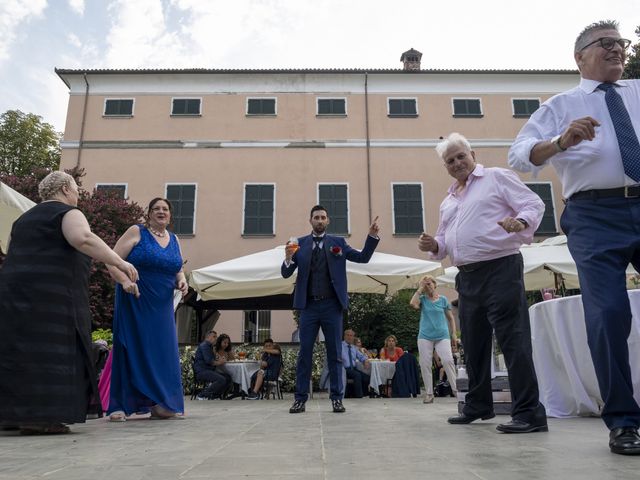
(375, 438)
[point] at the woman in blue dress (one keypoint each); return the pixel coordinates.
(145, 373)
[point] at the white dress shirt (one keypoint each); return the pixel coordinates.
(469, 232)
(590, 164)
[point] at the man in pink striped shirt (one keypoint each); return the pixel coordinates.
(485, 218)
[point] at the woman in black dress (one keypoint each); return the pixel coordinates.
(46, 371)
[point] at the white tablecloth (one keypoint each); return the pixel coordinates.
(241, 372)
(566, 377)
(381, 371)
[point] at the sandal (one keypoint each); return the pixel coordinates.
(118, 416)
(161, 413)
(50, 429)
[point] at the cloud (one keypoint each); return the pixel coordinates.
(13, 13)
(77, 6)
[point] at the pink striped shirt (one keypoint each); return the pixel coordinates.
(469, 230)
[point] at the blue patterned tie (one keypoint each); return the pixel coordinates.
(627, 139)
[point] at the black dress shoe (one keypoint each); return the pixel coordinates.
(624, 441)
(463, 418)
(518, 426)
(297, 407)
(337, 406)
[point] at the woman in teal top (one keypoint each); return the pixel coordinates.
(437, 330)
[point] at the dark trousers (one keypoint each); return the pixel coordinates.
(604, 237)
(360, 381)
(327, 314)
(217, 383)
(491, 299)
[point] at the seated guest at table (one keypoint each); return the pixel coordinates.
(270, 362)
(391, 351)
(350, 356)
(204, 368)
(223, 350)
(358, 344)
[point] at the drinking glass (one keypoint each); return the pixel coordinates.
(242, 355)
(374, 352)
(294, 242)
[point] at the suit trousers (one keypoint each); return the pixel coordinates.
(492, 299)
(217, 383)
(361, 381)
(604, 237)
(325, 314)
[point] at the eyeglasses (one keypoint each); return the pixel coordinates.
(609, 42)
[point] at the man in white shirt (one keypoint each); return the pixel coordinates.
(590, 135)
(484, 220)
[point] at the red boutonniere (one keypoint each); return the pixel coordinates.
(337, 251)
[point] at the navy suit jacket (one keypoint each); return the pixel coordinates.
(337, 263)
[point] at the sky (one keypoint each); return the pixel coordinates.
(37, 36)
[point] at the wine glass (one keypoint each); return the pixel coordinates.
(374, 352)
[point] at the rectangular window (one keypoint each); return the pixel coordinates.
(524, 107)
(548, 224)
(117, 189)
(183, 201)
(407, 209)
(335, 199)
(257, 326)
(467, 107)
(403, 107)
(185, 106)
(261, 106)
(118, 107)
(259, 201)
(332, 106)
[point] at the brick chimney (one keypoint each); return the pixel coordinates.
(411, 59)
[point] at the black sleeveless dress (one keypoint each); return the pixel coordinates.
(46, 372)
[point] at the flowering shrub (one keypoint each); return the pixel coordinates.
(102, 334)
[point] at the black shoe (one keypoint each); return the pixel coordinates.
(624, 441)
(337, 406)
(297, 407)
(463, 418)
(518, 426)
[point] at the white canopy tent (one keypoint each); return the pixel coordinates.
(542, 262)
(258, 275)
(12, 205)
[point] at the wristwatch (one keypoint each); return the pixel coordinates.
(556, 141)
(523, 222)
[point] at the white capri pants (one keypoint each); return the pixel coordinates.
(443, 347)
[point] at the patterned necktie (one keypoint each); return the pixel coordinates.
(627, 139)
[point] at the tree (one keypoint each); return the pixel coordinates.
(373, 317)
(632, 68)
(27, 143)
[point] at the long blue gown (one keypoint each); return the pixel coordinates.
(146, 364)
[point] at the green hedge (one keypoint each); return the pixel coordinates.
(289, 358)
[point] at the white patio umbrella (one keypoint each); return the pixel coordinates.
(258, 275)
(542, 261)
(12, 205)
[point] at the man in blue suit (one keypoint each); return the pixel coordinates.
(321, 297)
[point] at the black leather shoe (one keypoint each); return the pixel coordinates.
(297, 407)
(337, 406)
(518, 426)
(463, 418)
(624, 441)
